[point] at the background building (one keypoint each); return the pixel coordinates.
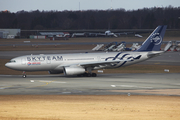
(10, 33)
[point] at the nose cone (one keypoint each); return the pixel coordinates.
(7, 65)
(10, 65)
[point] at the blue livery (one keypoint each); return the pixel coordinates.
(153, 42)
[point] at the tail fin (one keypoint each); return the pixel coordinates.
(153, 42)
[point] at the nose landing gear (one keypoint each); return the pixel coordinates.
(24, 74)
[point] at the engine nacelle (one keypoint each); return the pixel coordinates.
(55, 72)
(73, 70)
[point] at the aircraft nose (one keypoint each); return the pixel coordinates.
(7, 64)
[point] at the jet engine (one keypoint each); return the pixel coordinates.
(73, 70)
(55, 71)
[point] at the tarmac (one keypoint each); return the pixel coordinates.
(103, 84)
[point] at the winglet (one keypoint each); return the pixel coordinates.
(153, 42)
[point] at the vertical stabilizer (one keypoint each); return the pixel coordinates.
(153, 42)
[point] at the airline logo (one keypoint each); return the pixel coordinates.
(29, 63)
(121, 56)
(33, 63)
(156, 38)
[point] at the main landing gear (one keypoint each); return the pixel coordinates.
(24, 74)
(89, 72)
(87, 75)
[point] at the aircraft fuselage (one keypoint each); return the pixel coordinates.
(45, 62)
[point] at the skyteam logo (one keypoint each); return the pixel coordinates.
(122, 56)
(156, 38)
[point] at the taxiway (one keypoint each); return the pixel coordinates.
(104, 84)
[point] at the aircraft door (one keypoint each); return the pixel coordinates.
(23, 61)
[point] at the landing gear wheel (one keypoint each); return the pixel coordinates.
(24, 76)
(85, 74)
(93, 74)
(89, 75)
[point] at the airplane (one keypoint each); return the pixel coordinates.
(106, 33)
(138, 35)
(82, 64)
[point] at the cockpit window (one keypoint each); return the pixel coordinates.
(12, 61)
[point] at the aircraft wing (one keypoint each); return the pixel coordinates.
(97, 63)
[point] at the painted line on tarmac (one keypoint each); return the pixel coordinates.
(44, 81)
(131, 86)
(66, 92)
(5, 87)
(47, 81)
(52, 81)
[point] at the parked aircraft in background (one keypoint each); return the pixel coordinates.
(56, 35)
(173, 46)
(138, 35)
(114, 46)
(82, 64)
(107, 33)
